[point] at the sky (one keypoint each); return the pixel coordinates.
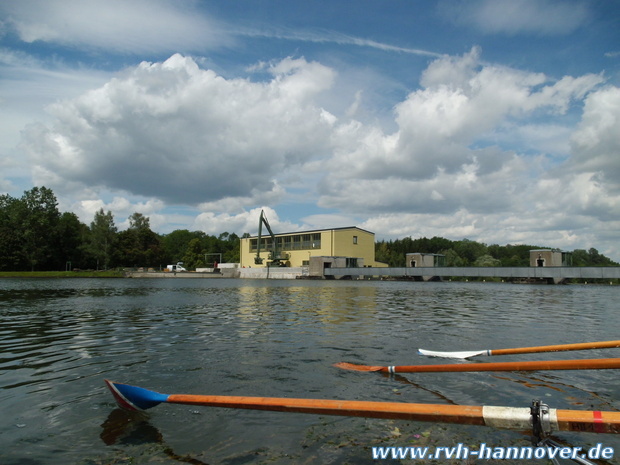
(496, 121)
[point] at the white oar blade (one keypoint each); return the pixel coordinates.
(469, 354)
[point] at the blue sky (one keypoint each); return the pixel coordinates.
(492, 120)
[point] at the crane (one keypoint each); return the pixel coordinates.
(275, 256)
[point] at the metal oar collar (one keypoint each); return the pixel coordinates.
(541, 431)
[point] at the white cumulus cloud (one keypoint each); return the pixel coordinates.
(183, 134)
(137, 26)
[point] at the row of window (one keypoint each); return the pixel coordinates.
(294, 242)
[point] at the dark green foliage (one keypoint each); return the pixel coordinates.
(139, 246)
(471, 253)
(10, 242)
(35, 236)
(199, 250)
(591, 258)
(30, 231)
(100, 242)
(69, 248)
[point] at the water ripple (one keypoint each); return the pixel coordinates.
(60, 338)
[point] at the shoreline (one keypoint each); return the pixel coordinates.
(62, 274)
(129, 274)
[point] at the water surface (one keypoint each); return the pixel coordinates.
(60, 338)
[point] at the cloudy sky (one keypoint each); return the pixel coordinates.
(492, 120)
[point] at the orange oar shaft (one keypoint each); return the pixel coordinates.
(498, 417)
(588, 364)
(349, 408)
(587, 421)
(137, 398)
(557, 348)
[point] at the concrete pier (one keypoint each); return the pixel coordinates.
(553, 273)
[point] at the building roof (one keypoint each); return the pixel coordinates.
(550, 250)
(425, 253)
(315, 231)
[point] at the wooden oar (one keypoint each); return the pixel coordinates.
(591, 364)
(136, 398)
(524, 350)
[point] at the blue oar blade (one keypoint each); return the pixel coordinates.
(133, 397)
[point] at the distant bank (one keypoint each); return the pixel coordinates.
(63, 274)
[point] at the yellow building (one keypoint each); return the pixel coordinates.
(297, 248)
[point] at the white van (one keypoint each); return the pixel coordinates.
(177, 267)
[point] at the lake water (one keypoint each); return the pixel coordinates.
(59, 339)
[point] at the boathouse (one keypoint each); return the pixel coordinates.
(425, 260)
(345, 245)
(418, 259)
(550, 257)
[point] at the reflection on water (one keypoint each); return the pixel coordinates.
(60, 338)
(134, 429)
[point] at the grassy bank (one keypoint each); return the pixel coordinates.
(63, 274)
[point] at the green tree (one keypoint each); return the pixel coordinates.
(592, 257)
(39, 217)
(232, 249)
(139, 245)
(175, 244)
(580, 257)
(103, 239)
(70, 236)
(194, 255)
(382, 252)
(469, 250)
(487, 260)
(453, 258)
(139, 222)
(11, 258)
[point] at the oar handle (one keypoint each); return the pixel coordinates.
(557, 348)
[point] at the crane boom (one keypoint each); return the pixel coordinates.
(275, 254)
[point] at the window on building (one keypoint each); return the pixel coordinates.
(316, 241)
(310, 241)
(355, 239)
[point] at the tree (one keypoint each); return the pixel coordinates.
(195, 255)
(453, 258)
(580, 257)
(103, 238)
(233, 251)
(11, 257)
(139, 222)
(138, 245)
(39, 217)
(175, 244)
(382, 252)
(469, 250)
(70, 236)
(487, 260)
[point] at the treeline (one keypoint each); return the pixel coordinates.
(471, 253)
(36, 236)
